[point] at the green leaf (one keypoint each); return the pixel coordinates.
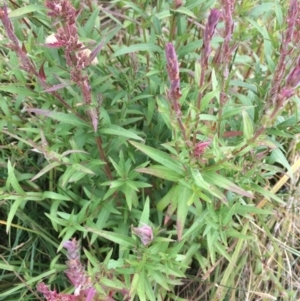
(141, 287)
(25, 284)
(130, 195)
(247, 209)
(159, 278)
(222, 182)
(144, 219)
(160, 157)
(160, 171)
(119, 131)
(55, 196)
(90, 23)
(221, 250)
(206, 186)
(278, 156)
(197, 224)
(114, 237)
(115, 283)
(207, 98)
(12, 180)
(45, 169)
(17, 90)
(168, 198)
(137, 9)
(266, 193)
(20, 12)
(247, 126)
(67, 118)
(138, 47)
(102, 219)
(183, 10)
(149, 289)
(134, 285)
(12, 211)
(182, 209)
(81, 168)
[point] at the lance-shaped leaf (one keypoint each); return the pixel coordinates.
(223, 182)
(160, 157)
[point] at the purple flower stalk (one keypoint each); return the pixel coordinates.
(26, 63)
(173, 72)
(174, 93)
(278, 94)
(291, 21)
(208, 34)
(53, 295)
(76, 274)
(77, 55)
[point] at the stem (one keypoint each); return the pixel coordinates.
(103, 158)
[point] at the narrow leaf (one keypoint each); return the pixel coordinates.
(160, 172)
(223, 182)
(114, 237)
(45, 170)
(12, 211)
(119, 131)
(24, 10)
(138, 47)
(161, 157)
(12, 180)
(182, 209)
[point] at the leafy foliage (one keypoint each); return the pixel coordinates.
(163, 136)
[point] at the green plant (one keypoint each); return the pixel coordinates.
(167, 121)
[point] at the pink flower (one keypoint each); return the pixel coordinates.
(200, 148)
(76, 272)
(53, 42)
(145, 233)
(53, 295)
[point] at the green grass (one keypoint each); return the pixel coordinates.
(206, 155)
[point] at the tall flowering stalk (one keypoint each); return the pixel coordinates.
(76, 54)
(84, 289)
(25, 62)
(280, 94)
(78, 57)
(228, 8)
(209, 32)
(174, 92)
(14, 45)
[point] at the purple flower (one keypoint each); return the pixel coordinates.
(76, 272)
(173, 72)
(145, 233)
(200, 148)
(293, 80)
(209, 32)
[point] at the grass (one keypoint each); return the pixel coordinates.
(149, 150)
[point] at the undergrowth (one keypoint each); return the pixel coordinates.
(149, 150)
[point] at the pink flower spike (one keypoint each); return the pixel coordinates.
(145, 233)
(200, 148)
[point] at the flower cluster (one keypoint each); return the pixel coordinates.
(14, 45)
(200, 148)
(77, 55)
(77, 276)
(279, 94)
(145, 233)
(208, 34)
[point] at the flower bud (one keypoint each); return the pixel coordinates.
(145, 233)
